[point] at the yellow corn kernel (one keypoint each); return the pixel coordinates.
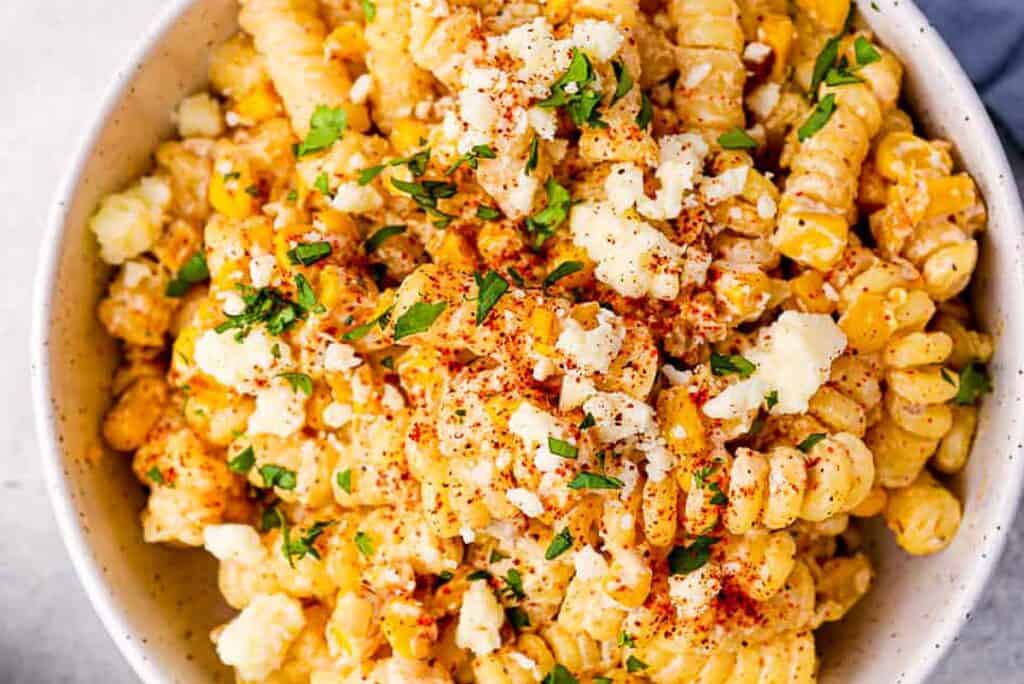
(808, 289)
(924, 516)
(329, 287)
(628, 580)
(901, 154)
(925, 420)
(925, 385)
(831, 14)
(499, 408)
(911, 310)
(899, 455)
(744, 293)
(408, 629)
(259, 104)
(813, 239)
(454, 250)
(228, 275)
(408, 134)
(542, 328)
(949, 195)
(557, 11)
(866, 323)
(872, 505)
(346, 42)
(776, 31)
(681, 425)
(838, 411)
(948, 271)
(229, 197)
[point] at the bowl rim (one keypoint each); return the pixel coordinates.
(58, 487)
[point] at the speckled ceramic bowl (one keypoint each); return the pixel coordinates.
(159, 604)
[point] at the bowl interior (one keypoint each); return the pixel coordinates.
(160, 604)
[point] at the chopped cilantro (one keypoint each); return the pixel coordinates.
(369, 10)
(685, 559)
(588, 421)
(623, 80)
(865, 52)
(308, 253)
(562, 448)
(722, 364)
(367, 175)
(155, 475)
(344, 479)
(574, 92)
(513, 584)
(276, 476)
(517, 617)
(561, 543)
(378, 238)
(364, 543)
(532, 158)
(487, 213)
(472, 158)
(325, 127)
(818, 118)
(808, 444)
(737, 139)
(634, 664)
(243, 462)
(544, 223)
(418, 318)
(588, 480)
(646, 114)
(559, 675)
(564, 269)
(490, 288)
(973, 383)
(193, 271)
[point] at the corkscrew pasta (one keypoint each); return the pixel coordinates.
(564, 341)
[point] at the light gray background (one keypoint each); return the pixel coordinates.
(57, 57)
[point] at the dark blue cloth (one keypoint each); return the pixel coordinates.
(988, 38)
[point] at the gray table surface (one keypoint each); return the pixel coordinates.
(58, 56)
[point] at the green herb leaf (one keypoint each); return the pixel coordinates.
(155, 475)
(490, 289)
(564, 269)
(685, 559)
(516, 276)
(292, 195)
(192, 272)
(443, 578)
(513, 584)
(416, 163)
(496, 556)
(581, 103)
(306, 297)
(367, 175)
(369, 10)
(300, 382)
(771, 399)
(634, 664)
(588, 421)
(808, 444)
(298, 549)
(388, 362)
(734, 363)
(378, 238)
(308, 253)
(325, 126)
(344, 479)
(646, 114)
(825, 61)
(517, 617)
(276, 476)
(544, 223)
(477, 575)
(270, 519)
(321, 184)
(947, 377)
(623, 80)
(487, 213)
(472, 158)
(737, 139)
(818, 118)
(364, 543)
(532, 158)
(562, 448)
(243, 462)
(265, 305)
(418, 318)
(361, 331)
(253, 191)
(427, 193)
(719, 498)
(588, 480)
(626, 641)
(974, 382)
(865, 52)
(559, 675)
(841, 76)
(561, 543)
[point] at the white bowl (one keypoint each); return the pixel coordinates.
(159, 604)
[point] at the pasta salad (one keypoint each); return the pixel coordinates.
(561, 341)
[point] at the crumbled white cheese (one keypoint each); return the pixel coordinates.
(533, 425)
(199, 116)
(232, 303)
(482, 473)
(592, 350)
(543, 121)
(633, 258)
(256, 641)
(392, 399)
(763, 100)
(766, 207)
(727, 184)
(680, 159)
(128, 223)
(624, 186)
(354, 198)
(135, 272)
(793, 357)
(543, 369)
(528, 664)
(480, 620)
(526, 501)
(600, 39)
(675, 376)
(232, 542)
(361, 88)
(696, 75)
(468, 534)
(520, 196)
(261, 269)
(620, 416)
(336, 415)
(589, 564)
(280, 410)
(240, 365)
(756, 52)
(340, 357)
